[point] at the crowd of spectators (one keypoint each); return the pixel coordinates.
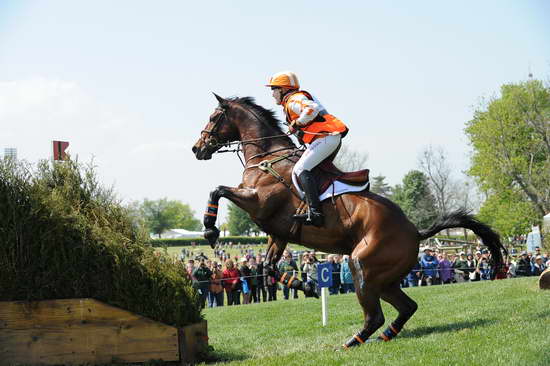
(436, 267)
(243, 280)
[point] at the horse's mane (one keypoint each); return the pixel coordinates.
(266, 114)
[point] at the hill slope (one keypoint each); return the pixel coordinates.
(485, 323)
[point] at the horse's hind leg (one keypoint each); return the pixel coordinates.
(368, 292)
(405, 306)
(374, 317)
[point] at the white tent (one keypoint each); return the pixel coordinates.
(181, 233)
(546, 221)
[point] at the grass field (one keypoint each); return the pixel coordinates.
(485, 323)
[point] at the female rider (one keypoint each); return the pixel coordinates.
(320, 131)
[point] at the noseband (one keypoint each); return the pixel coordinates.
(212, 134)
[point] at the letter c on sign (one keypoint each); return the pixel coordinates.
(324, 274)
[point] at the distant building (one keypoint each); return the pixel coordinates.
(179, 234)
(10, 152)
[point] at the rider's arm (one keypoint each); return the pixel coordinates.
(305, 108)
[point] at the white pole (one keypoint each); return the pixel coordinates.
(324, 298)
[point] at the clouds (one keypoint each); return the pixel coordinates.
(139, 155)
(35, 111)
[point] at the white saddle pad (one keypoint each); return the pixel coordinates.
(335, 189)
(338, 188)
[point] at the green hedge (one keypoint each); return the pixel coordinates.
(62, 235)
(202, 241)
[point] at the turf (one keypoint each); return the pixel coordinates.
(485, 323)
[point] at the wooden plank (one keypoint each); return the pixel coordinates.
(78, 331)
(193, 340)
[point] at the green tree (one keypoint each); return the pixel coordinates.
(416, 199)
(379, 186)
(508, 212)
(239, 222)
(510, 136)
(163, 214)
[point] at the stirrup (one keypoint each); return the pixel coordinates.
(310, 218)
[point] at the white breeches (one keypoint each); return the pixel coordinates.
(316, 152)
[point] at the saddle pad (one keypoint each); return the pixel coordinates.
(341, 188)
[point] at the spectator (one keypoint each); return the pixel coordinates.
(345, 276)
(261, 279)
(511, 264)
(471, 268)
(246, 283)
(445, 269)
(215, 297)
(429, 267)
(539, 266)
(190, 267)
(305, 259)
(313, 255)
(310, 269)
(461, 268)
(537, 253)
(415, 275)
(202, 275)
(288, 266)
(523, 267)
(253, 280)
(232, 283)
(335, 266)
(478, 257)
(483, 267)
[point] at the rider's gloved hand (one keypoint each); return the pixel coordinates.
(292, 127)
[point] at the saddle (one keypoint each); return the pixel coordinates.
(326, 173)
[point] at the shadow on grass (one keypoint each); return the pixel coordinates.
(452, 327)
(540, 315)
(215, 356)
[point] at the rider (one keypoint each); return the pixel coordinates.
(320, 131)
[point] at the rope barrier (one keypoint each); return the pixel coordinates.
(296, 272)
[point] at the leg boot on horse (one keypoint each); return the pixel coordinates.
(292, 282)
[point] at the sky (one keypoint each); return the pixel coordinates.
(128, 83)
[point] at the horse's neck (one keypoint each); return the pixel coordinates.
(260, 134)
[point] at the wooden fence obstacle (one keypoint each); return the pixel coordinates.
(77, 331)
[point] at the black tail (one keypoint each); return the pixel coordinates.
(462, 218)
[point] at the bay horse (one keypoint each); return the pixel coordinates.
(382, 243)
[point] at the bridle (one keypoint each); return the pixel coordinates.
(212, 134)
(265, 166)
(213, 137)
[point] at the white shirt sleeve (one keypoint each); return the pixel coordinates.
(305, 108)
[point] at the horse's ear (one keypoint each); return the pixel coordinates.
(222, 101)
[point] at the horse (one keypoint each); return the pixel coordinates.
(383, 244)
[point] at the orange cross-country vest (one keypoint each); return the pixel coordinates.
(324, 122)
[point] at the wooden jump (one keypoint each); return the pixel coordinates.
(76, 331)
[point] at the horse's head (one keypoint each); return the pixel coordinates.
(217, 131)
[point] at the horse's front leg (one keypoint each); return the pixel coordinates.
(242, 197)
(275, 249)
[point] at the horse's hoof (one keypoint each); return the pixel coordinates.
(212, 234)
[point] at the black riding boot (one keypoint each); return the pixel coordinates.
(314, 215)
